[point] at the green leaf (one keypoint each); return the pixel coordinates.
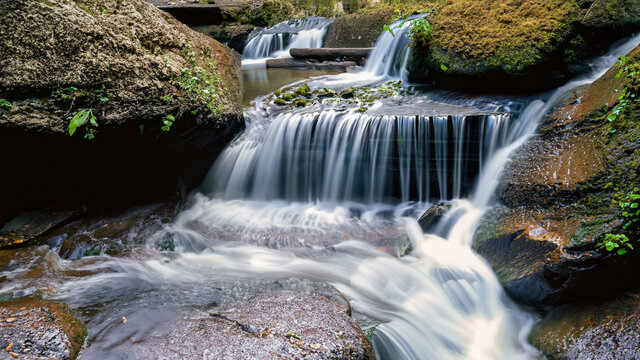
(92, 119)
(443, 67)
(621, 251)
(141, 127)
(78, 120)
(609, 245)
(4, 104)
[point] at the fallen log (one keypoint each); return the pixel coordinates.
(288, 63)
(330, 54)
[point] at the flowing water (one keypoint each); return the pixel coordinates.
(327, 194)
(277, 40)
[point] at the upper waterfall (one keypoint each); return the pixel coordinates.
(277, 40)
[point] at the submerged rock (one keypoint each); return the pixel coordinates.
(32, 328)
(286, 325)
(154, 101)
(560, 196)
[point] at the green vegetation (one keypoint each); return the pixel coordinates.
(4, 104)
(168, 121)
(81, 118)
(302, 96)
(371, 332)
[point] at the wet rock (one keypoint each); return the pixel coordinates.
(104, 233)
(287, 325)
(432, 216)
(606, 330)
(124, 67)
(26, 227)
(33, 328)
(559, 197)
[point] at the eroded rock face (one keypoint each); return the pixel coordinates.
(286, 325)
(135, 68)
(32, 328)
(560, 196)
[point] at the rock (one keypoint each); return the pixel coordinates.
(286, 325)
(510, 46)
(560, 196)
(27, 226)
(35, 328)
(138, 70)
(360, 30)
(104, 233)
(431, 217)
(605, 330)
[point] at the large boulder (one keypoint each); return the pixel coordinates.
(153, 103)
(561, 195)
(515, 45)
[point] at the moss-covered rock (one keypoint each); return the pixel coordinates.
(154, 100)
(517, 45)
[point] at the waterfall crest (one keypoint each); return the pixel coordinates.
(350, 156)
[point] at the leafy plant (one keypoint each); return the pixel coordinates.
(168, 121)
(80, 119)
(65, 93)
(631, 207)
(201, 87)
(5, 104)
(619, 107)
(420, 32)
(102, 96)
(617, 242)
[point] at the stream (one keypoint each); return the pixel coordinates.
(328, 194)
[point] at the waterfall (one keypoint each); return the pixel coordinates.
(391, 51)
(297, 196)
(277, 40)
(350, 156)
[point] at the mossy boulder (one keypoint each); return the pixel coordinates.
(155, 102)
(561, 193)
(515, 45)
(33, 328)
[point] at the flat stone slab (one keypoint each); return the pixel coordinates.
(287, 325)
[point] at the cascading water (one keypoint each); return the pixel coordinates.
(305, 195)
(277, 40)
(349, 156)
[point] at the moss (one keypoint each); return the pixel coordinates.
(511, 35)
(287, 97)
(280, 102)
(300, 103)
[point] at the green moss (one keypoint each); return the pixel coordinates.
(280, 102)
(300, 103)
